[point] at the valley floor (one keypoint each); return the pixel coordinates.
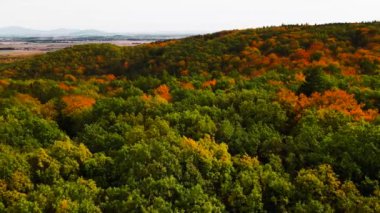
(25, 48)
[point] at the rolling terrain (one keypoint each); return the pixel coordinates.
(274, 119)
(18, 42)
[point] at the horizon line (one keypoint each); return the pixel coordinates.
(117, 32)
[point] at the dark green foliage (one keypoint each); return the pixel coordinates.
(316, 81)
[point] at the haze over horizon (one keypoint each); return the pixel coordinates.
(175, 16)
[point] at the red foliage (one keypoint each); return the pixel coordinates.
(316, 46)
(77, 103)
(210, 83)
(164, 92)
(338, 100)
(110, 77)
(301, 54)
(300, 77)
(65, 86)
(287, 97)
(350, 71)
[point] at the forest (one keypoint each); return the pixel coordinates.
(273, 119)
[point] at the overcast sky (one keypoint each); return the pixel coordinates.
(180, 15)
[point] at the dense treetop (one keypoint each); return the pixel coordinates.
(261, 120)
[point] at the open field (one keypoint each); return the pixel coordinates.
(12, 49)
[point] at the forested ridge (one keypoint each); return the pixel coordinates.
(274, 119)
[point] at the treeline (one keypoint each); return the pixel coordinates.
(263, 120)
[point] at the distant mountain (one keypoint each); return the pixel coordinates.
(90, 33)
(14, 31)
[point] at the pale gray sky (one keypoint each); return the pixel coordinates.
(180, 15)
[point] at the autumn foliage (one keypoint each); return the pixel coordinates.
(77, 103)
(338, 100)
(275, 119)
(164, 92)
(4, 83)
(65, 86)
(187, 85)
(210, 83)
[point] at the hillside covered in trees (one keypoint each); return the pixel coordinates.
(278, 119)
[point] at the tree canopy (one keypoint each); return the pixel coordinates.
(275, 119)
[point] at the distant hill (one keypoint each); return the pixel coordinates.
(15, 31)
(243, 51)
